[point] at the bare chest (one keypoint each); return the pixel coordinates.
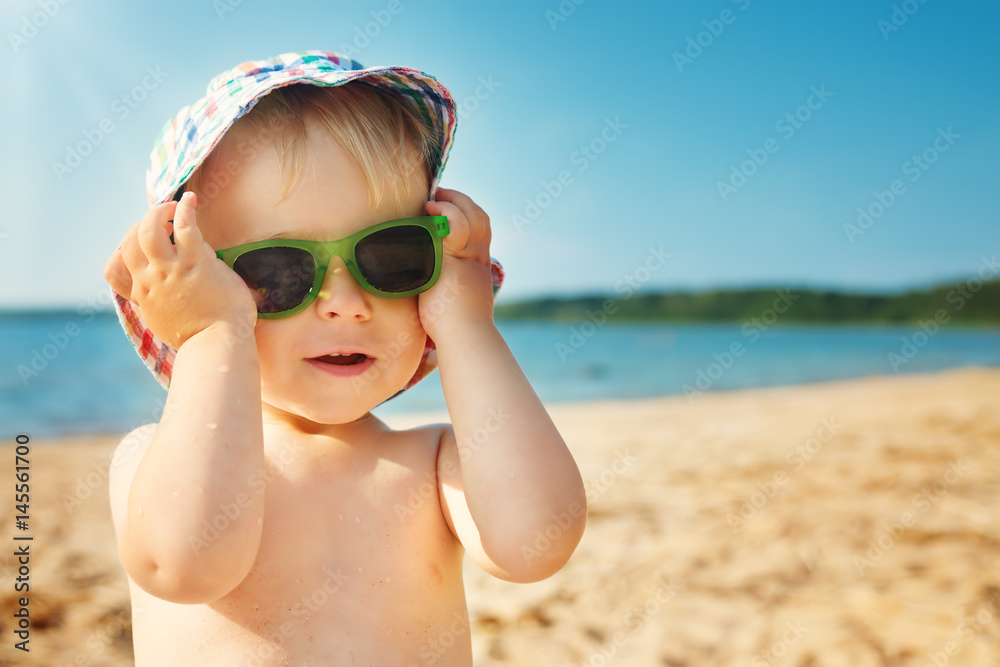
(355, 556)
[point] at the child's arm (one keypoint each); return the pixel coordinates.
(210, 438)
(505, 474)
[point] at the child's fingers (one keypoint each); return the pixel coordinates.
(458, 226)
(464, 202)
(154, 233)
(478, 220)
(117, 274)
(464, 239)
(132, 254)
(187, 236)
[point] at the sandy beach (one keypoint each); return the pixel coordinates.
(844, 524)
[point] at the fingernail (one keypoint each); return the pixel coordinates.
(186, 195)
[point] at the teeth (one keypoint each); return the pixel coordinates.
(342, 354)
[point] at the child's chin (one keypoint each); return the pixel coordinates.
(342, 416)
(343, 412)
(325, 410)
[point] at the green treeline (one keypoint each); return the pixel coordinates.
(960, 302)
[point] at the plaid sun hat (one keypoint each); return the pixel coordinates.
(187, 139)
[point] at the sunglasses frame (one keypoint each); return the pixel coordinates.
(323, 251)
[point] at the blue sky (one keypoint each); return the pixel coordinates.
(673, 127)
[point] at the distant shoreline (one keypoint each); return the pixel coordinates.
(969, 302)
(613, 321)
(972, 302)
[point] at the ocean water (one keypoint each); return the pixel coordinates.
(63, 375)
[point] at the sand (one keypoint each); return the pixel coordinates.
(852, 523)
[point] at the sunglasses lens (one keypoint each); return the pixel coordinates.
(282, 277)
(397, 259)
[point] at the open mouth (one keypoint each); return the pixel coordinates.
(343, 359)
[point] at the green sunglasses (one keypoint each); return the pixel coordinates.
(391, 260)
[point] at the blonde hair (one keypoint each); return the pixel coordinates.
(375, 128)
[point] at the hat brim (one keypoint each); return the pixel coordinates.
(193, 133)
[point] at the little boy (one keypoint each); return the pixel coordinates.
(269, 518)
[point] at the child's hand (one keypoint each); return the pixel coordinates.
(180, 289)
(463, 293)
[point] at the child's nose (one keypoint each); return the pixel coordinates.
(340, 294)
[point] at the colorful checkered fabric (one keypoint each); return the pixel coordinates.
(187, 139)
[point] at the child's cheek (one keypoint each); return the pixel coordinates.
(273, 344)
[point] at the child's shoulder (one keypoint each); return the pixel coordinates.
(412, 429)
(371, 438)
(423, 448)
(422, 436)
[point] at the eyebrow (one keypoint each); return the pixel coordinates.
(279, 235)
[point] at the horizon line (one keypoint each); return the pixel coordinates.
(853, 291)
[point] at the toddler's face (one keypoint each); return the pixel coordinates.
(328, 201)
